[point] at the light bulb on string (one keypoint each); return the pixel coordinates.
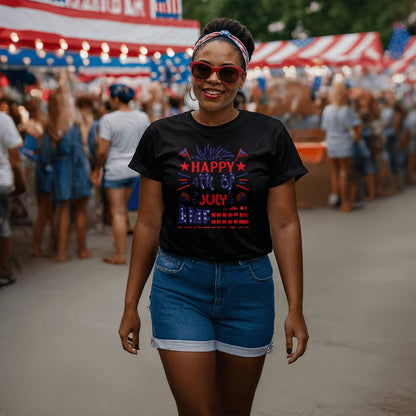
(142, 59)
(83, 54)
(170, 52)
(143, 50)
(26, 60)
(157, 55)
(41, 53)
(63, 44)
(105, 57)
(123, 58)
(105, 47)
(12, 49)
(14, 37)
(86, 46)
(60, 53)
(38, 44)
(124, 49)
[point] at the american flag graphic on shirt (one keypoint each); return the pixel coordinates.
(168, 9)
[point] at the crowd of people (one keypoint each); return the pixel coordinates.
(371, 142)
(80, 148)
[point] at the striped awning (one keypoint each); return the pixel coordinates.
(68, 25)
(363, 49)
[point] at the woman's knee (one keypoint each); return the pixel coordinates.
(118, 210)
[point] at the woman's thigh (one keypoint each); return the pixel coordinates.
(236, 381)
(116, 200)
(345, 165)
(192, 380)
(212, 383)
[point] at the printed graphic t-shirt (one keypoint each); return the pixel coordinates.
(215, 182)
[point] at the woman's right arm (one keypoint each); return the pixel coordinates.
(143, 253)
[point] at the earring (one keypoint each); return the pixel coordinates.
(190, 95)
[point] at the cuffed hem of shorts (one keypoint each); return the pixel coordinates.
(243, 351)
(181, 345)
(208, 346)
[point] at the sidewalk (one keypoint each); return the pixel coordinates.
(60, 353)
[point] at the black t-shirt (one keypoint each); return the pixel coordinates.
(215, 182)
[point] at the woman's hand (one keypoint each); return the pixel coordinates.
(295, 327)
(130, 324)
(96, 176)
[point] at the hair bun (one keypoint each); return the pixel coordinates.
(122, 92)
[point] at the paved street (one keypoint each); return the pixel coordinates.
(60, 352)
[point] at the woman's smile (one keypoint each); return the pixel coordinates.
(212, 93)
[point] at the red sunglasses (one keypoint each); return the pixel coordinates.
(228, 74)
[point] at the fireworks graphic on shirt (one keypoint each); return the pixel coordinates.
(212, 187)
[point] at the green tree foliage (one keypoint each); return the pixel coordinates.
(333, 16)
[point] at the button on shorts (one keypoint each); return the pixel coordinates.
(198, 305)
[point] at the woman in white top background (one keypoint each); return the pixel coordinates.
(119, 135)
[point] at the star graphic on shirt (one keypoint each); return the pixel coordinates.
(185, 166)
(241, 166)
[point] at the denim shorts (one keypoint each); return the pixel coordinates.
(197, 305)
(120, 183)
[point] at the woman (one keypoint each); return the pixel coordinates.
(119, 134)
(38, 147)
(217, 194)
(342, 128)
(71, 171)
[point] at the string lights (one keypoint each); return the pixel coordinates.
(64, 49)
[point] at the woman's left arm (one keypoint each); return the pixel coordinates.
(287, 246)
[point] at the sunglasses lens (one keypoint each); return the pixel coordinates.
(229, 75)
(201, 71)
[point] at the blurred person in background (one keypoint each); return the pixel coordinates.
(391, 119)
(10, 141)
(174, 104)
(342, 128)
(156, 104)
(18, 210)
(88, 125)
(409, 126)
(240, 101)
(38, 148)
(71, 168)
(369, 146)
(119, 135)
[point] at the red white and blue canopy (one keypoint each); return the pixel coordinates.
(363, 49)
(96, 26)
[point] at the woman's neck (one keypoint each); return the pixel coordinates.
(124, 107)
(214, 118)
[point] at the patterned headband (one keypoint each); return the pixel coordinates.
(226, 34)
